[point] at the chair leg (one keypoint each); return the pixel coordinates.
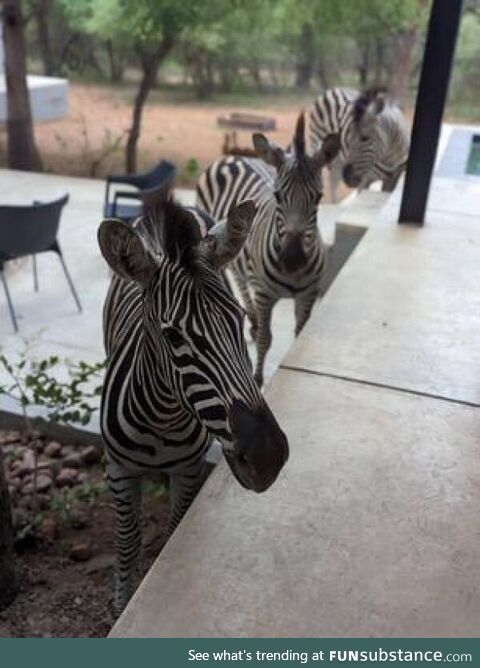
(35, 274)
(9, 301)
(70, 282)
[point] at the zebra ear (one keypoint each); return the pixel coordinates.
(269, 152)
(225, 239)
(125, 251)
(328, 151)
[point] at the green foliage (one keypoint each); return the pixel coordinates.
(66, 502)
(33, 383)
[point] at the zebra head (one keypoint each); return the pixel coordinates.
(194, 328)
(367, 139)
(298, 189)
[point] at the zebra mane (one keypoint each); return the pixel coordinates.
(172, 230)
(365, 98)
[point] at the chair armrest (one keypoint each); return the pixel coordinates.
(126, 194)
(128, 179)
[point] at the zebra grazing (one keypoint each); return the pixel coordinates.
(284, 255)
(373, 136)
(178, 371)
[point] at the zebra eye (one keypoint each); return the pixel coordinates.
(363, 138)
(173, 337)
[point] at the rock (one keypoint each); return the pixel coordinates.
(73, 461)
(15, 482)
(90, 454)
(48, 529)
(82, 477)
(81, 551)
(78, 520)
(100, 563)
(43, 501)
(67, 477)
(52, 465)
(25, 501)
(20, 518)
(26, 465)
(53, 449)
(11, 436)
(44, 482)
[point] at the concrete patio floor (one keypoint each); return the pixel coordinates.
(49, 323)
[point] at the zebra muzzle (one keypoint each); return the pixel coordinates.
(260, 448)
(292, 256)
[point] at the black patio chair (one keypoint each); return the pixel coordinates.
(29, 230)
(149, 188)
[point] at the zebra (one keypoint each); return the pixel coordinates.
(374, 140)
(178, 372)
(284, 255)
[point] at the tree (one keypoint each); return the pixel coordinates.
(8, 585)
(22, 150)
(150, 28)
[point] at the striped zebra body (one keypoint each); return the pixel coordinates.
(373, 137)
(178, 372)
(284, 255)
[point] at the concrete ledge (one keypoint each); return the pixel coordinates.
(359, 537)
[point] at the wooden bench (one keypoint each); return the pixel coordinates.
(242, 121)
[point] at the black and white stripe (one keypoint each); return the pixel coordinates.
(178, 370)
(284, 255)
(373, 136)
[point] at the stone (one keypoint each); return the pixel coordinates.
(73, 461)
(91, 454)
(81, 551)
(48, 529)
(53, 449)
(78, 520)
(11, 436)
(101, 562)
(67, 477)
(44, 482)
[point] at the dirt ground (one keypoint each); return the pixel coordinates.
(64, 565)
(174, 127)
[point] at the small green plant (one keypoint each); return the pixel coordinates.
(191, 169)
(66, 502)
(33, 383)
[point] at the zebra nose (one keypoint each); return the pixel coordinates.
(260, 448)
(349, 176)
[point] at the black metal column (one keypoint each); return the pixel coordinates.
(432, 92)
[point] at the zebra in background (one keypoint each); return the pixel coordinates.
(374, 139)
(284, 255)
(178, 371)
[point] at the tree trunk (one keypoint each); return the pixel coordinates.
(150, 63)
(8, 587)
(22, 151)
(42, 15)
(364, 65)
(305, 62)
(115, 63)
(405, 52)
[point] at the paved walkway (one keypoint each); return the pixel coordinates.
(49, 323)
(372, 529)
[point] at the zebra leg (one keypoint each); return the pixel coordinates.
(263, 307)
(303, 309)
(184, 487)
(335, 172)
(127, 492)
